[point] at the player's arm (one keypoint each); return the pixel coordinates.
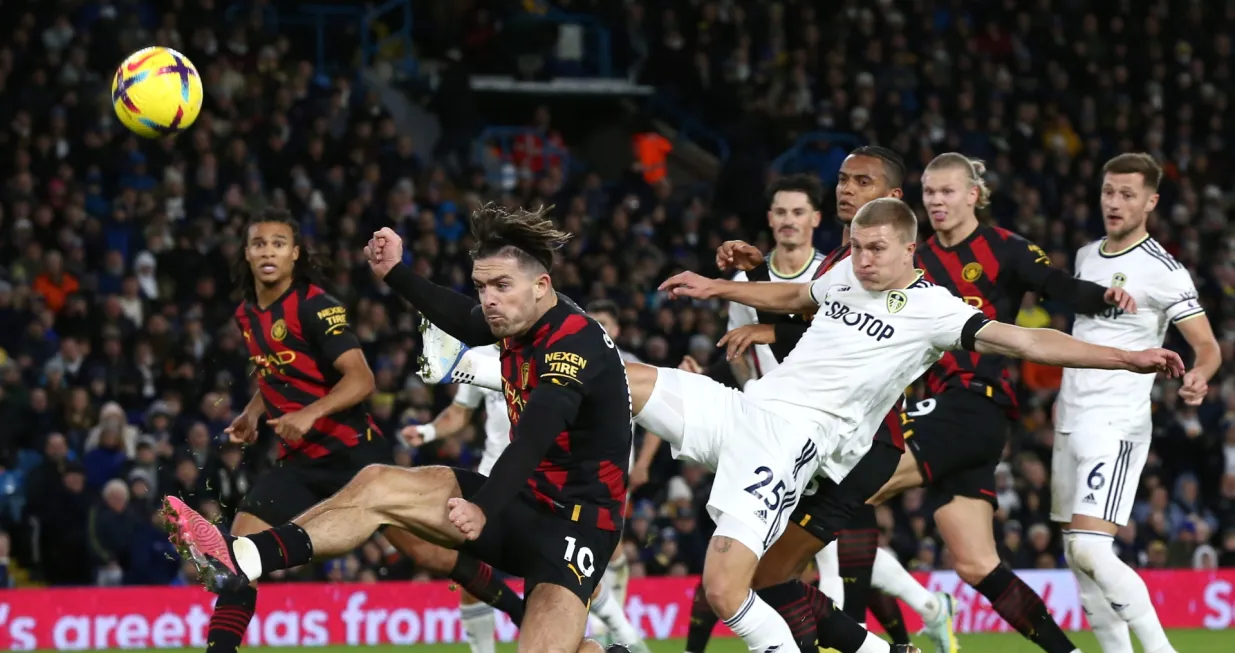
(455, 313)
(551, 408)
(1178, 297)
(1034, 271)
(452, 420)
(771, 297)
(1051, 347)
(741, 315)
(325, 324)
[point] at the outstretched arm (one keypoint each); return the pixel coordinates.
(456, 313)
(772, 297)
(1034, 270)
(1051, 347)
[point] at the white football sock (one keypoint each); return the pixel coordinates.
(248, 559)
(874, 644)
(1108, 627)
(614, 617)
(761, 627)
(1093, 554)
(480, 624)
(478, 370)
(830, 582)
(890, 576)
(618, 578)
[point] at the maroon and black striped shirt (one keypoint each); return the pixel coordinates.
(292, 346)
(992, 270)
(583, 476)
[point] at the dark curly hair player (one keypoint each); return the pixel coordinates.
(551, 509)
(312, 383)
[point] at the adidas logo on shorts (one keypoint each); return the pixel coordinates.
(762, 515)
(1089, 499)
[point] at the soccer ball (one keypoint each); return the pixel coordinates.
(156, 92)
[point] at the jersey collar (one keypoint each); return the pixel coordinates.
(1105, 254)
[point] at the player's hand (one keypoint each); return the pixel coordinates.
(1120, 297)
(741, 339)
(292, 426)
(243, 429)
(691, 285)
(738, 255)
(1149, 361)
(384, 251)
(416, 435)
(639, 475)
(1194, 389)
(467, 517)
(689, 364)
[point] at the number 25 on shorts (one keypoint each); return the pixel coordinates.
(579, 559)
(756, 488)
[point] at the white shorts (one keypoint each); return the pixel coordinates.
(1096, 475)
(763, 460)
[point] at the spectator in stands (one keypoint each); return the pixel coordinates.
(110, 531)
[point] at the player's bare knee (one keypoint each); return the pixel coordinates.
(973, 571)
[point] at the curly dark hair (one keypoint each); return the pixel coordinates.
(529, 236)
(312, 267)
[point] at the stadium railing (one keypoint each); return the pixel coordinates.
(805, 154)
(688, 126)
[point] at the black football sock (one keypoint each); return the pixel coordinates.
(282, 547)
(855, 554)
(477, 578)
(1024, 610)
(789, 600)
(230, 619)
(888, 612)
(702, 622)
(835, 629)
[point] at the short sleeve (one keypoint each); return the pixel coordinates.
(741, 315)
(324, 322)
(955, 324)
(469, 396)
(1177, 297)
(574, 354)
(819, 287)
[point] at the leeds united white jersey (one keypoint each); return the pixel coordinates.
(1094, 402)
(860, 353)
(497, 424)
(741, 315)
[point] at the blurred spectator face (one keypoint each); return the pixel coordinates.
(57, 448)
(609, 323)
(792, 218)
(116, 495)
(109, 438)
(186, 473)
(271, 252)
(860, 180)
(1126, 203)
(199, 437)
(75, 481)
(949, 196)
(5, 545)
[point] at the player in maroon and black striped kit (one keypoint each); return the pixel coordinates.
(551, 509)
(312, 380)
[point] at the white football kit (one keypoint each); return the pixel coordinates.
(741, 315)
(1103, 422)
(818, 411)
(497, 423)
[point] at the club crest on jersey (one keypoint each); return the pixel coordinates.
(278, 330)
(896, 301)
(1119, 280)
(523, 374)
(971, 272)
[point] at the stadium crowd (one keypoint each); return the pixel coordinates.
(120, 365)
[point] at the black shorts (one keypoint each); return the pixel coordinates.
(957, 438)
(528, 541)
(292, 487)
(828, 507)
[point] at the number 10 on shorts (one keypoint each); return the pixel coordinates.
(579, 558)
